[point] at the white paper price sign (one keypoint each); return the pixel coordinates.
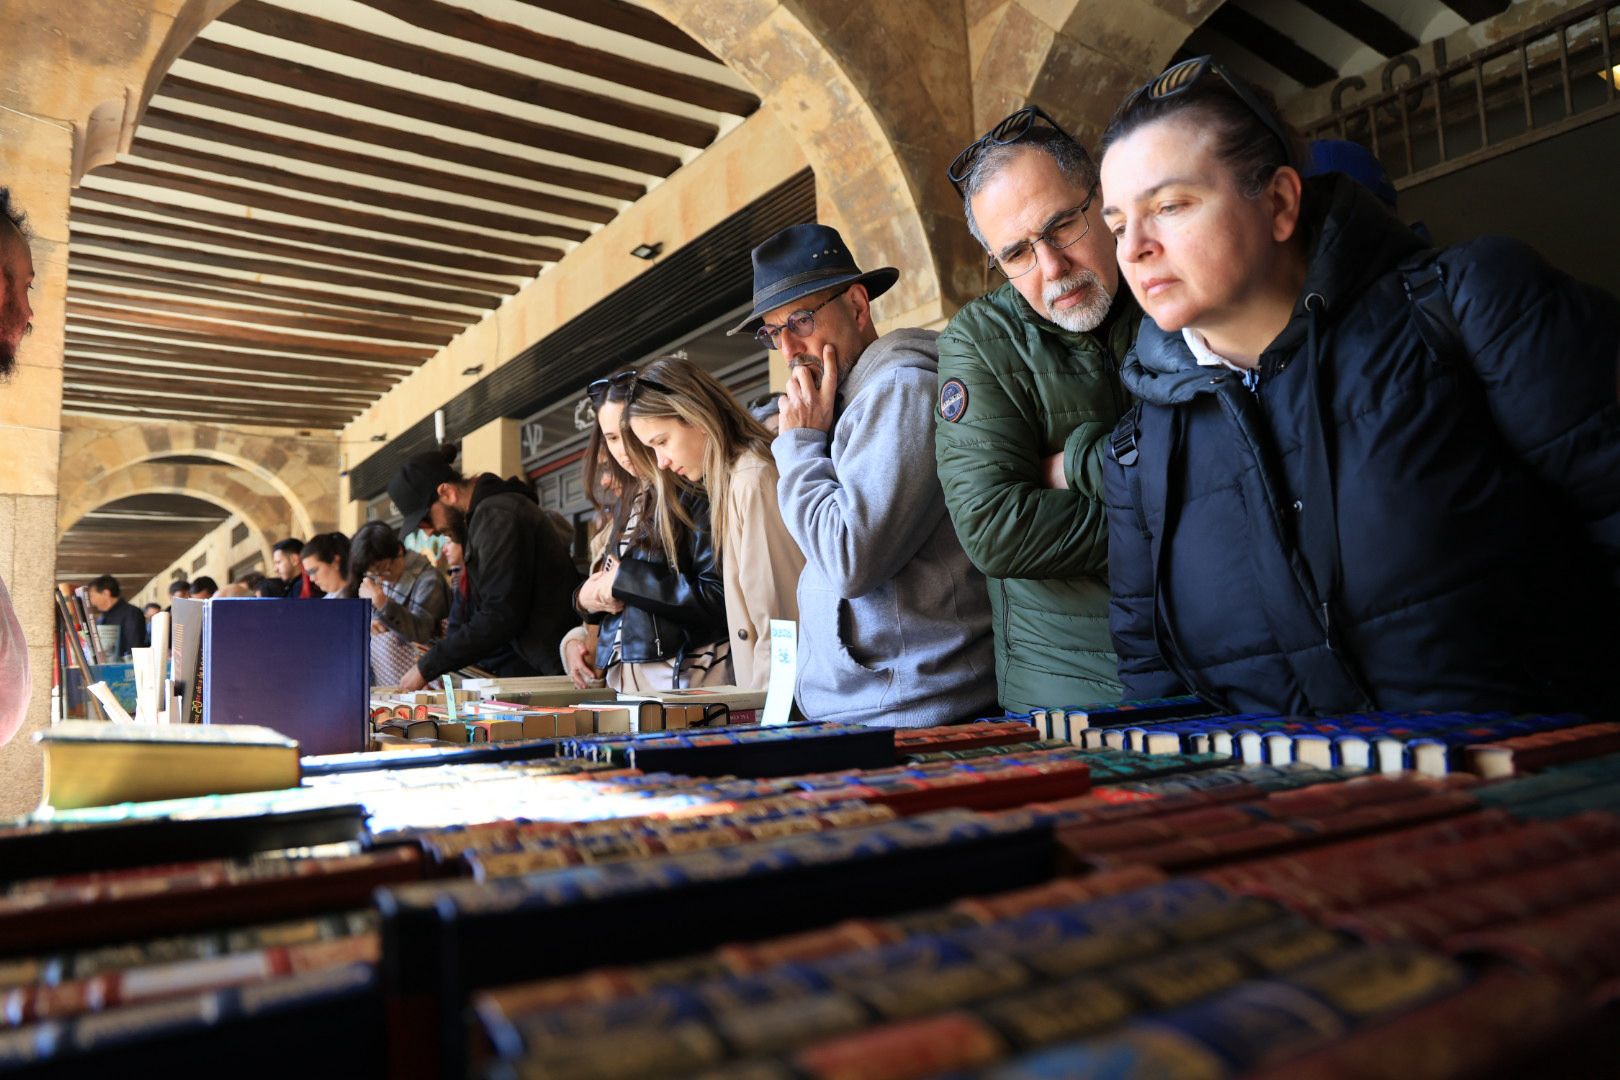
(784, 672)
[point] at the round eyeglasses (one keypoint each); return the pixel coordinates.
(801, 323)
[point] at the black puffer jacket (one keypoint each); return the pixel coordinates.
(1401, 530)
(521, 583)
(666, 612)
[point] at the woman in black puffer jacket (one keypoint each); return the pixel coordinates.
(1334, 495)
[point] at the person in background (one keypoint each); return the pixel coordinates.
(661, 610)
(894, 621)
(107, 598)
(407, 594)
(179, 590)
(251, 582)
(686, 430)
(204, 588)
(326, 563)
(767, 409)
(1028, 394)
(286, 560)
(16, 320)
(149, 611)
(521, 577)
(1362, 474)
(604, 484)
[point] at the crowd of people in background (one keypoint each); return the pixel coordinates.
(1227, 426)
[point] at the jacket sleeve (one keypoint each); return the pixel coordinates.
(695, 595)
(1546, 348)
(1130, 608)
(859, 525)
(990, 464)
(428, 604)
(768, 563)
(505, 582)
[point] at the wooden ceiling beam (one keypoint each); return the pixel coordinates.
(203, 330)
(523, 250)
(214, 389)
(1271, 45)
(399, 284)
(191, 358)
(286, 295)
(79, 358)
(219, 133)
(623, 18)
(237, 169)
(1366, 24)
(279, 71)
(390, 140)
(309, 324)
(466, 25)
(260, 304)
(1478, 10)
(180, 409)
(348, 41)
(227, 230)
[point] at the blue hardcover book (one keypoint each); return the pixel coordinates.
(303, 670)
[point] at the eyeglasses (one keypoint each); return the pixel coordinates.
(1066, 231)
(1012, 127)
(1178, 78)
(625, 380)
(801, 323)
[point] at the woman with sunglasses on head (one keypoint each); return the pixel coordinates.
(687, 431)
(1362, 473)
(657, 598)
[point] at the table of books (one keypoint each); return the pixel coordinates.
(1120, 891)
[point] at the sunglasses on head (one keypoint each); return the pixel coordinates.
(628, 381)
(1179, 78)
(1012, 128)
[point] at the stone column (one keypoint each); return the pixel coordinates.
(36, 166)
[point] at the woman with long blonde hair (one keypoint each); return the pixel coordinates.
(685, 430)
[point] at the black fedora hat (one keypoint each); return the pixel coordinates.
(804, 259)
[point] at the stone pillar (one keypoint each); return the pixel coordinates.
(493, 448)
(37, 168)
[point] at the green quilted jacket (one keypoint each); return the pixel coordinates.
(1015, 389)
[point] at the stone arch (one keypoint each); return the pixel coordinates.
(1077, 59)
(878, 100)
(301, 472)
(264, 512)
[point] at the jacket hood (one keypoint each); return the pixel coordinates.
(1354, 241)
(489, 485)
(904, 348)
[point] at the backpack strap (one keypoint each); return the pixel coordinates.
(1432, 315)
(1122, 445)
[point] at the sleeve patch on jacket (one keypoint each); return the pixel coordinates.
(953, 400)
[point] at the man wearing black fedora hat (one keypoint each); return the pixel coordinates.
(894, 621)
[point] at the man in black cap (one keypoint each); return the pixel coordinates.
(519, 574)
(894, 621)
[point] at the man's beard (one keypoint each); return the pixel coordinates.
(1089, 313)
(8, 360)
(455, 522)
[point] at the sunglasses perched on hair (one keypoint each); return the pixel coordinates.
(1012, 128)
(622, 380)
(1179, 78)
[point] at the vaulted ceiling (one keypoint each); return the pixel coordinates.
(323, 193)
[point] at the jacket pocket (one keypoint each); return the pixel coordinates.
(832, 681)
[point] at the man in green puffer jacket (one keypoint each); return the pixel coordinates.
(1029, 393)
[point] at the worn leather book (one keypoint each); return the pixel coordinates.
(88, 763)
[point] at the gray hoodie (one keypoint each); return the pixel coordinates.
(894, 621)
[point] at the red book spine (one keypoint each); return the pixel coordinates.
(1579, 944)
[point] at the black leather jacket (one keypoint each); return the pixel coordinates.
(667, 613)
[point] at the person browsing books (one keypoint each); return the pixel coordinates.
(520, 575)
(657, 595)
(1363, 474)
(16, 320)
(107, 599)
(326, 563)
(894, 621)
(408, 596)
(1029, 391)
(686, 430)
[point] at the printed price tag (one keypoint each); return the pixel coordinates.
(784, 672)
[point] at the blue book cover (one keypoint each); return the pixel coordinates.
(301, 669)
